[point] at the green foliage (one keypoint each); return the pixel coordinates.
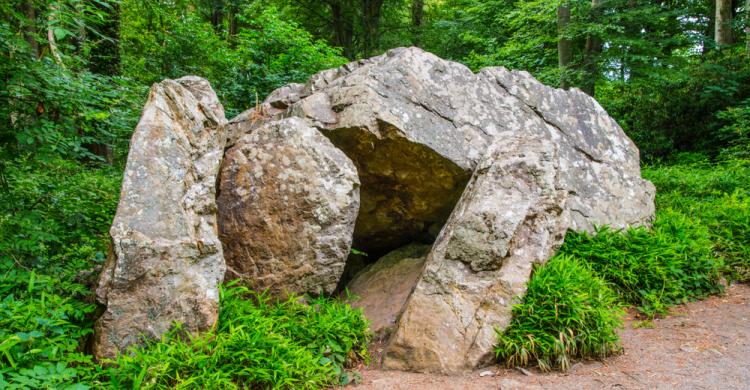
(272, 52)
(735, 132)
(53, 221)
(257, 344)
(652, 269)
(166, 39)
(42, 322)
(715, 196)
(52, 110)
(568, 312)
(54, 215)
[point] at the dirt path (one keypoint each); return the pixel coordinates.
(701, 345)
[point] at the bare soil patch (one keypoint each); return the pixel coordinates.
(700, 345)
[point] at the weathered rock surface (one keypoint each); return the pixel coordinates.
(382, 288)
(599, 164)
(288, 200)
(510, 217)
(166, 262)
(417, 127)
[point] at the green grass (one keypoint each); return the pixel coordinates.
(716, 196)
(652, 269)
(568, 312)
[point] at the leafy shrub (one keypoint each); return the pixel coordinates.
(257, 344)
(728, 221)
(652, 269)
(55, 213)
(567, 312)
(41, 326)
(716, 196)
(682, 185)
(270, 53)
(736, 130)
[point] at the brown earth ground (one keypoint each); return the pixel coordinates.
(700, 345)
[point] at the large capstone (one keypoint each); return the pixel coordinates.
(288, 200)
(166, 262)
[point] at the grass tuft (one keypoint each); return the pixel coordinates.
(568, 312)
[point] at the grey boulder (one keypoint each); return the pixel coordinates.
(288, 200)
(166, 261)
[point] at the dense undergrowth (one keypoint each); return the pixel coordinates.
(701, 235)
(54, 217)
(257, 344)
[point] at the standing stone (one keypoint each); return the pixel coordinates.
(509, 218)
(288, 200)
(166, 262)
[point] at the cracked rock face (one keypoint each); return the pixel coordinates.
(166, 262)
(417, 128)
(509, 218)
(288, 200)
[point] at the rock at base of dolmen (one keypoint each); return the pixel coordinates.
(288, 200)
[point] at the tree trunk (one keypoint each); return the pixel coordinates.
(723, 22)
(232, 19)
(29, 27)
(417, 12)
(747, 28)
(564, 45)
(371, 22)
(710, 28)
(343, 28)
(53, 10)
(592, 50)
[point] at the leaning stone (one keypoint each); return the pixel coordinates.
(510, 217)
(288, 200)
(166, 262)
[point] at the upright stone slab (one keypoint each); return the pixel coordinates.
(288, 201)
(166, 261)
(510, 217)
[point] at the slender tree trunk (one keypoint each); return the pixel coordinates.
(417, 12)
(592, 50)
(343, 27)
(723, 22)
(232, 21)
(371, 22)
(53, 10)
(564, 45)
(29, 27)
(747, 28)
(710, 28)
